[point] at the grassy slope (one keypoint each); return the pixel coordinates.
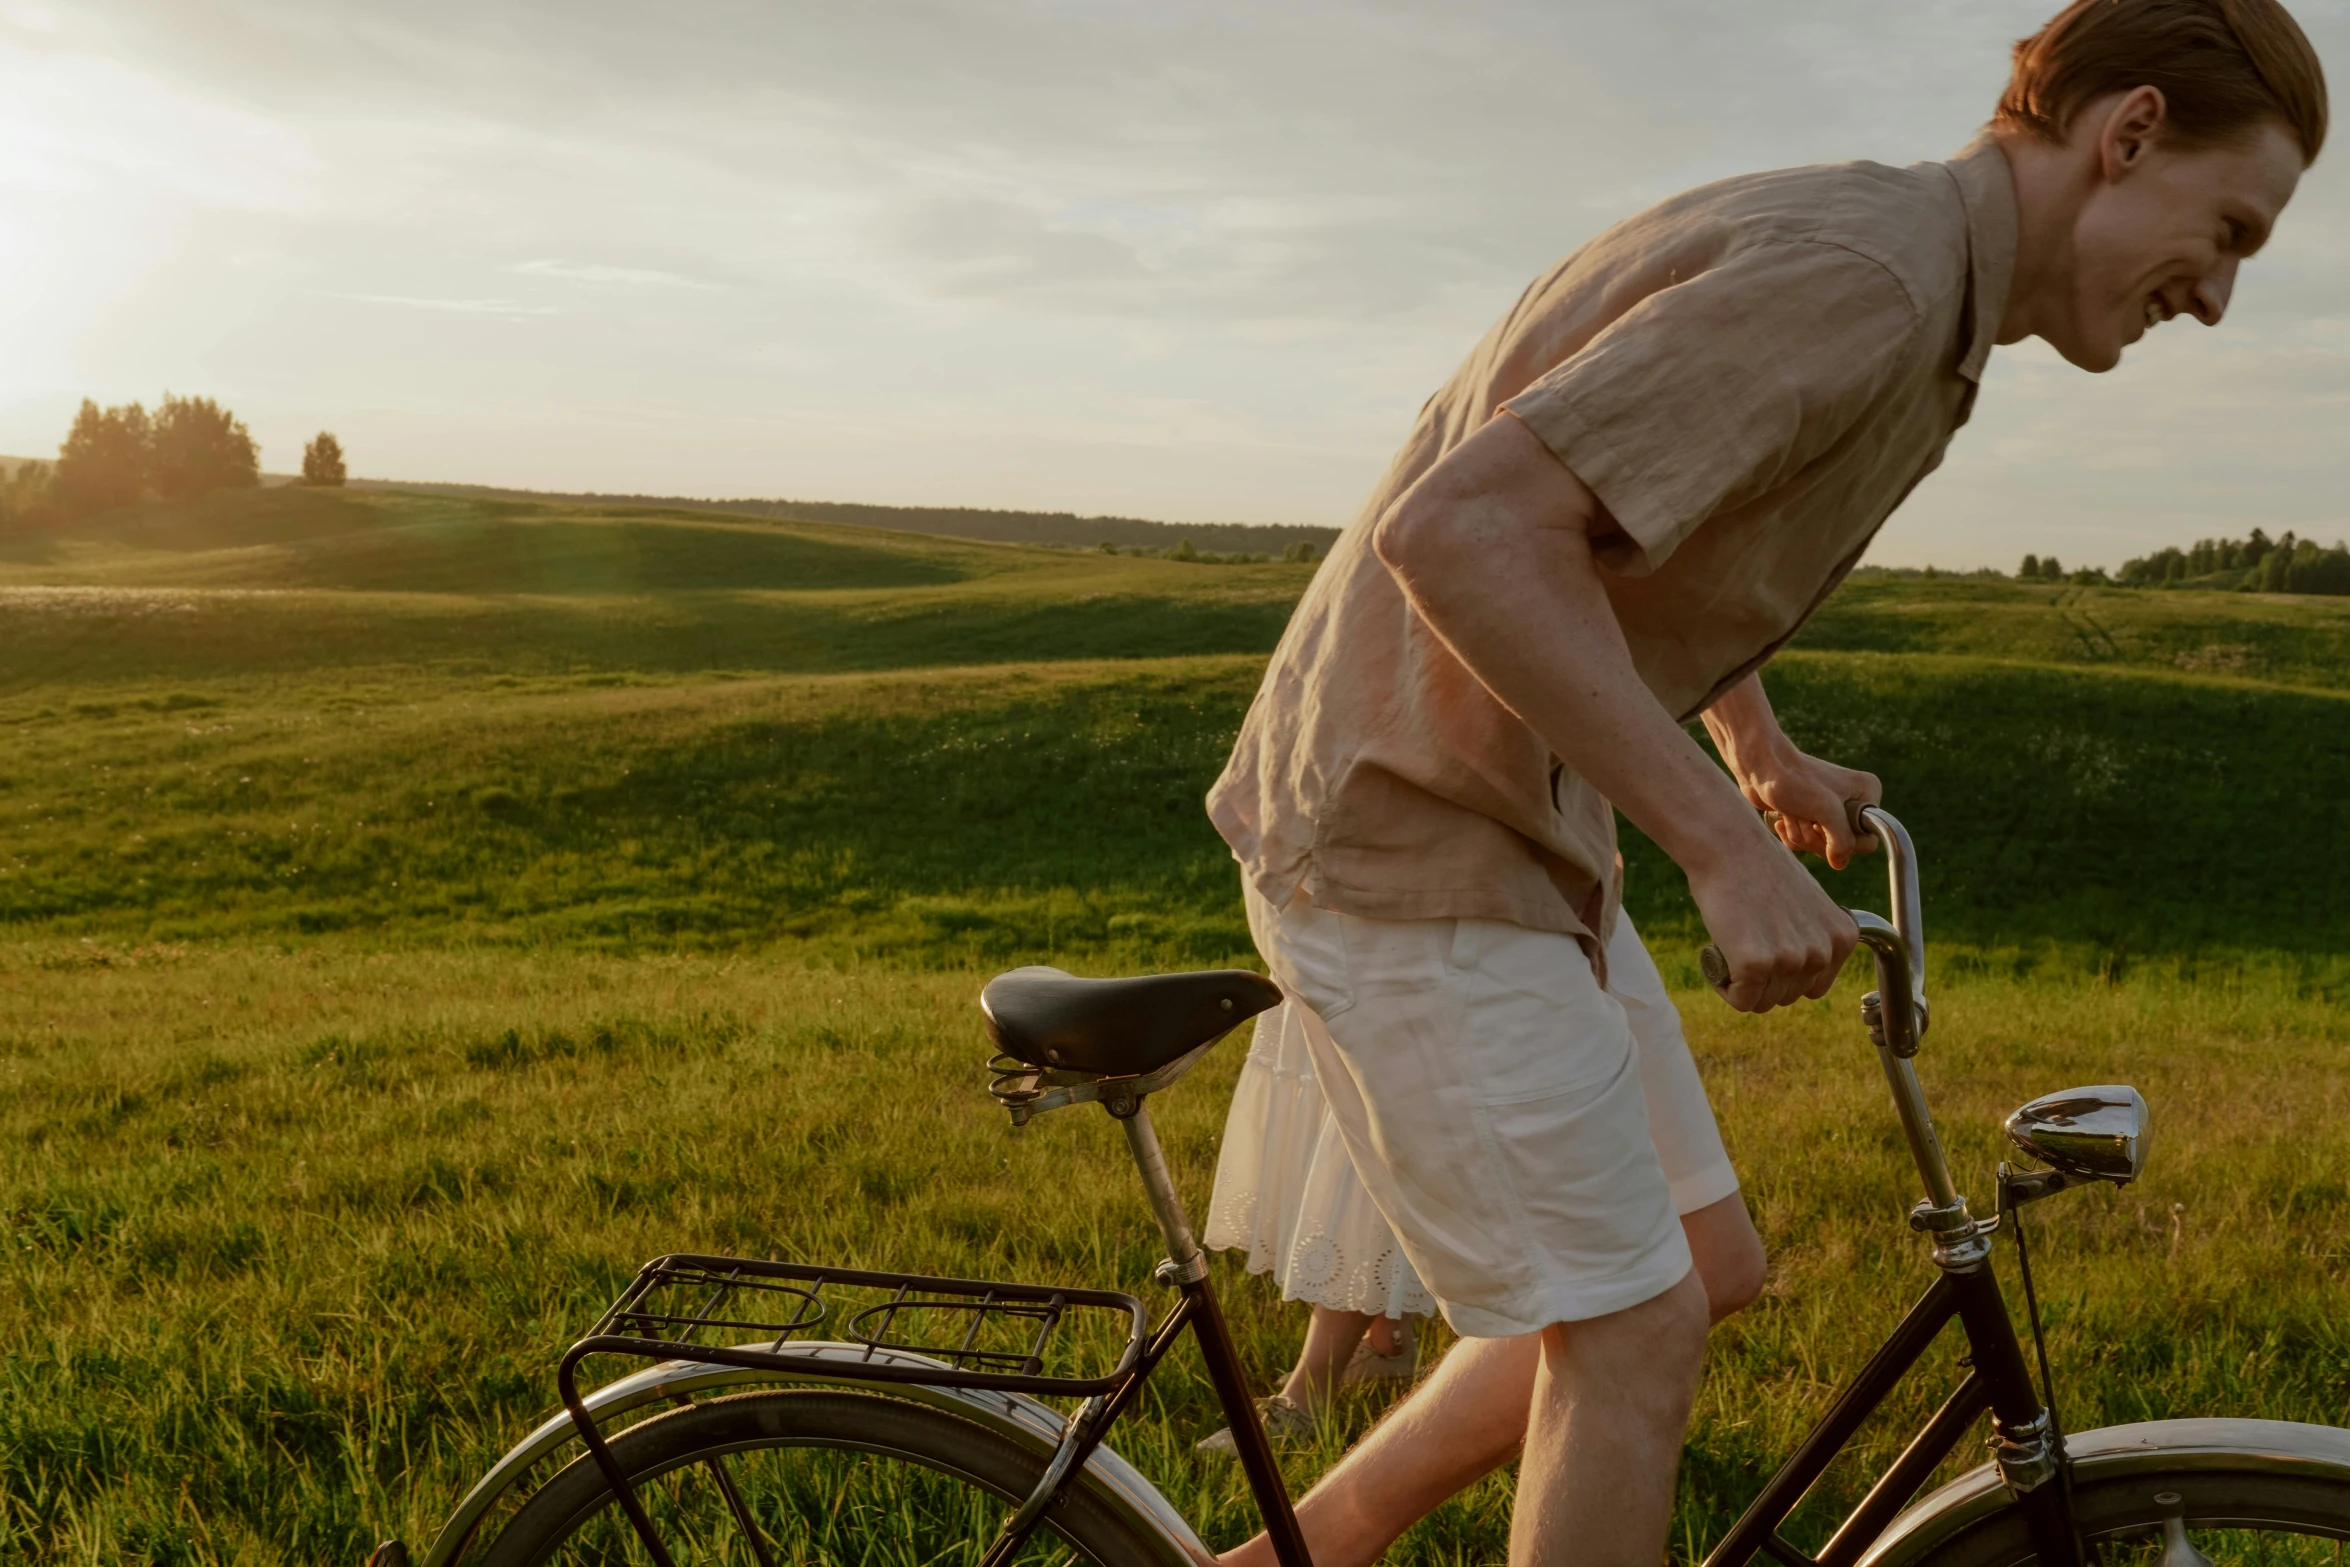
(2267, 638)
(295, 1237)
(309, 1174)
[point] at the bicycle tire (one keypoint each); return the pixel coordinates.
(2121, 1522)
(575, 1516)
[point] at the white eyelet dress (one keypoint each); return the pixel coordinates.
(1287, 1192)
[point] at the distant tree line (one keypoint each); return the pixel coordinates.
(1928, 574)
(2254, 565)
(1301, 552)
(2047, 568)
(188, 447)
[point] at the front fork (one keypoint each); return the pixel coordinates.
(2025, 1442)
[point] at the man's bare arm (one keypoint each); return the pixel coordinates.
(1775, 775)
(1494, 547)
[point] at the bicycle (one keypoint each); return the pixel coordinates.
(923, 1435)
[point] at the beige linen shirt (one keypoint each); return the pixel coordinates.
(1750, 377)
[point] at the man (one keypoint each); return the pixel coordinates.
(1638, 486)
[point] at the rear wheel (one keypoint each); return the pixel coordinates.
(802, 1477)
(2236, 1517)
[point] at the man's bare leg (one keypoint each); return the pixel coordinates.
(1466, 1420)
(1470, 1416)
(1611, 1404)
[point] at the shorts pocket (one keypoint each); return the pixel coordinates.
(1587, 1182)
(1308, 957)
(1534, 1023)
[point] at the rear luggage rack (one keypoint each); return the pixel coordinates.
(737, 1311)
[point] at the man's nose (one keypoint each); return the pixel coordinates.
(2210, 299)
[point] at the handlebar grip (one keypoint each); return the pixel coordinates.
(1862, 837)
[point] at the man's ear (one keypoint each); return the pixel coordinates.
(2129, 131)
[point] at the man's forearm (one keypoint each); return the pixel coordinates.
(1746, 731)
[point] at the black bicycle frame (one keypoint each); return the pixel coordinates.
(1200, 1311)
(1997, 1381)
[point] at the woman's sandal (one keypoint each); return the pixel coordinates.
(1284, 1418)
(1369, 1366)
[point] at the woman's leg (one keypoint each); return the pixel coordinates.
(1331, 1337)
(1386, 1336)
(1728, 1254)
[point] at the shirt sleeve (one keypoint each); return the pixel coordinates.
(1711, 392)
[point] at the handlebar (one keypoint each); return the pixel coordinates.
(1896, 1010)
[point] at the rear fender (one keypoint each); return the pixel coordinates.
(1113, 1481)
(2118, 1453)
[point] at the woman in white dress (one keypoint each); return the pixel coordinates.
(1287, 1193)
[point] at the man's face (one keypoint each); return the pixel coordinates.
(2163, 233)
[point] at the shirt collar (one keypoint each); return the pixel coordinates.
(1987, 188)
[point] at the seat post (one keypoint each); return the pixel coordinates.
(1184, 1258)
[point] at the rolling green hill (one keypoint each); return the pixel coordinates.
(963, 522)
(419, 718)
(296, 583)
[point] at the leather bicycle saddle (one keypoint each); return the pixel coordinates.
(1117, 1027)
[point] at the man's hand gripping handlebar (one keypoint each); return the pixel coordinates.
(1868, 824)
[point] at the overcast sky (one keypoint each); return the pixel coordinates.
(1179, 259)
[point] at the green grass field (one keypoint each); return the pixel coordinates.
(416, 912)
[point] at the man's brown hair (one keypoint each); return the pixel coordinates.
(2222, 66)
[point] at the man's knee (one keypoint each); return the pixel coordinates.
(1659, 1343)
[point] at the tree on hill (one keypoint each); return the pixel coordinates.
(2029, 571)
(198, 446)
(322, 460)
(114, 456)
(104, 461)
(2316, 570)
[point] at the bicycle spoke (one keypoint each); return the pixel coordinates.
(741, 1511)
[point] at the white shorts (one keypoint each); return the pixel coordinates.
(1490, 1096)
